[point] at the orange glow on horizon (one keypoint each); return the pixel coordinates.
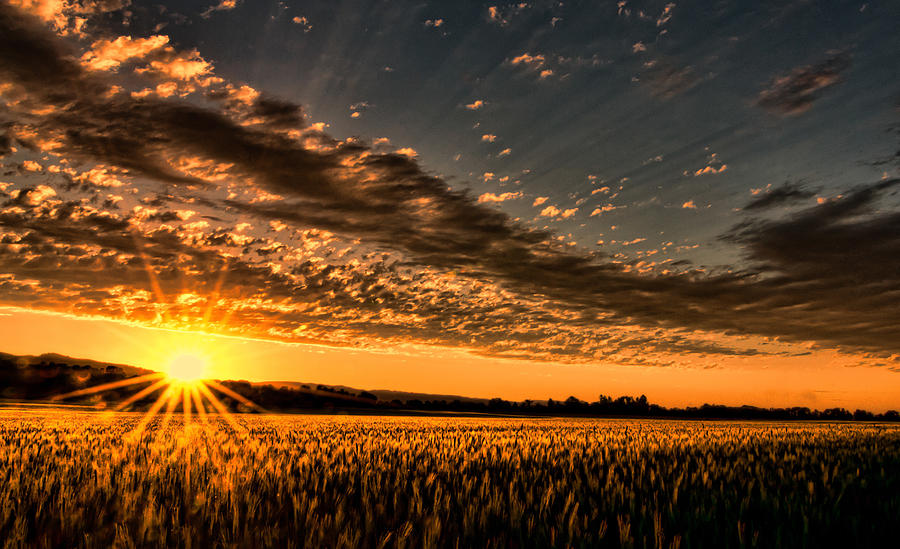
(820, 380)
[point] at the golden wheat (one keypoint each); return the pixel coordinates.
(83, 479)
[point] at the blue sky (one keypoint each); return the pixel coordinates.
(643, 91)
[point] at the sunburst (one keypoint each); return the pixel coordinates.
(185, 378)
(186, 374)
(184, 381)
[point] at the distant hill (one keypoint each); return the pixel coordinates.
(41, 377)
(405, 397)
(57, 358)
(384, 395)
(44, 377)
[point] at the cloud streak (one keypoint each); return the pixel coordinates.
(786, 193)
(794, 93)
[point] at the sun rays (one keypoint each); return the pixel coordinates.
(183, 382)
(184, 386)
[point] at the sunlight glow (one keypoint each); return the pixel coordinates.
(182, 386)
(187, 367)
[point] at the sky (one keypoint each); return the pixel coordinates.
(693, 201)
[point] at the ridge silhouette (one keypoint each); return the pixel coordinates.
(41, 378)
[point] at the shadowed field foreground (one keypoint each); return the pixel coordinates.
(81, 479)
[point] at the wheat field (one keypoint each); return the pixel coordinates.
(87, 479)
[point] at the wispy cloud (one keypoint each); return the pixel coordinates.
(667, 80)
(110, 54)
(303, 22)
(502, 197)
(711, 170)
(795, 92)
(786, 193)
(528, 60)
(223, 5)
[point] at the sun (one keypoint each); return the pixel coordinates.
(184, 381)
(187, 367)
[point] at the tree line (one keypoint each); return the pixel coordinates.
(45, 380)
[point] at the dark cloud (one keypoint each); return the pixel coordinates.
(82, 261)
(794, 93)
(788, 192)
(5, 145)
(831, 272)
(519, 294)
(279, 114)
(34, 59)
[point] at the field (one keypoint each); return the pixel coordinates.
(76, 479)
